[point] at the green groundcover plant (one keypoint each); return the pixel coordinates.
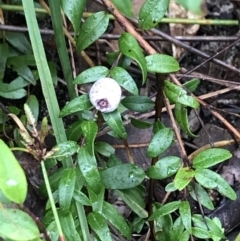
(76, 207)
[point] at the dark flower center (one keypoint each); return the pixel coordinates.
(103, 103)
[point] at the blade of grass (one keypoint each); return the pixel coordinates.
(45, 75)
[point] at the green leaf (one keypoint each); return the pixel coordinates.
(151, 13)
(64, 149)
(164, 167)
(177, 229)
(111, 214)
(33, 104)
(74, 11)
(160, 142)
(68, 226)
(14, 222)
(183, 177)
(104, 148)
(210, 179)
(123, 62)
(165, 209)
(132, 198)
(91, 75)
(130, 47)
(185, 236)
(170, 187)
(99, 225)
(81, 198)
(89, 130)
(138, 103)
(92, 29)
(192, 84)
(114, 120)
(158, 125)
(77, 104)
(122, 176)
(125, 7)
(124, 79)
(89, 169)
(185, 214)
(193, 6)
(178, 95)
(181, 115)
(210, 157)
(161, 63)
(66, 188)
(20, 42)
(16, 94)
(140, 124)
(4, 50)
(202, 195)
(13, 181)
(74, 131)
(17, 64)
(96, 199)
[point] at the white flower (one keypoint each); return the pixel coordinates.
(105, 95)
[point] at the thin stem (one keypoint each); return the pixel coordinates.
(50, 196)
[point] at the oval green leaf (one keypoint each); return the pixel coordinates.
(122, 176)
(81, 198)
(140, 124)
(130, 47)
(202, 195)
(160, 142)
(74, 11)
(92, 29)
(91, 75)
(13, 181)
(183, 177)
(185, 214)
(124, 79)
(111, 214)
(74, 131)
(138, 103)
(77, 104)
(151, 13)
(165, 167)
(210, 179)
(182, 118)
(114, 120)
(89, 130)
(14, 222)
(161, 63)
(192, 84)
(99, 225)
(165, 209)
(89, 169)
(125, 7)
(66, 188)
(211, 157)
(104, 148)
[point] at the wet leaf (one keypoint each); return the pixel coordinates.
(140, 124)
(125, 7)
(99, 225)
(140, 104)
(211, 157)
(14, 222)
(89, 130)
(165, 167)
(130, 47)
(111, 214)
(74, 131)
(182, 118)
(91, 75)
(104, 148)
(114, 120)
(165, 209)
(160, 142)
(13, 181)
(122, 176)
(92, 29)
(177, 229)
(66, 188)
(185, 214)
(151, 13)
(183, 177)
(161, 63)
(185, 236)
(210, 179)
(124, 79)
(202, 195)
(81, 198)
(74, 10)
(77, 104)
